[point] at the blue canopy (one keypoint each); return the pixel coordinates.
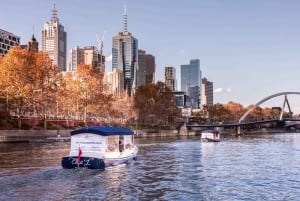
(103, 130)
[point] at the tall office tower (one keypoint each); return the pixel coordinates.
(146, 71)
(125, 56)
(207, 92)
(7, 40)
(88, 55)
(54, 41)
(191, 82)
(170, 78)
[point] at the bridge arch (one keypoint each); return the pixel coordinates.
(264, 100)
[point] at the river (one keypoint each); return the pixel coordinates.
(260, 167)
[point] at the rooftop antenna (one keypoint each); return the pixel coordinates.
(100, 45)
(54, 14)
(125, 20)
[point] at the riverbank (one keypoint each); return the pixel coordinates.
(64, 135)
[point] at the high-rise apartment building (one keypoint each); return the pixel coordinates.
(191, 82)
(207, 92)
(125, 57)
(114, 82)
(7, 40)
(170, 78)
(54, 41)
(146, 71)
(88, 55)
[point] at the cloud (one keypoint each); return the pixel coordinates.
(222, 90)
(109, 58)
(182, 51)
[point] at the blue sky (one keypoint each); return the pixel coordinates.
(249, 49)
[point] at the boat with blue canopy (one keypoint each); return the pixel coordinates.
(99, 147)
(210, 136)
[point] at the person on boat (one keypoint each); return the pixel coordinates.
(121, 146)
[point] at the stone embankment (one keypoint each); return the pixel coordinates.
(64, 135)
(33, 135)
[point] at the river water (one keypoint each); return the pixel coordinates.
(264, 167)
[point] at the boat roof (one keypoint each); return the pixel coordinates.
(103, 130)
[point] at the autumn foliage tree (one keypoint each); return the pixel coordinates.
(235, 110)
(82, 95)
(29, 82)
(155, 104)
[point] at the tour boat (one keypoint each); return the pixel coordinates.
(99, 147)
(210, 136)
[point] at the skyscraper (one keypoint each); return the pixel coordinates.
(88, 55)
(170, 78)
(54, 41)
(191, 82)
(125, 56)
(114, 82)
(146, 71)
(207, 92)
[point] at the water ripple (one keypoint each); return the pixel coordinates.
(246, 168)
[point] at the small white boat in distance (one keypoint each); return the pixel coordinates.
(210, 136)
(99, 147)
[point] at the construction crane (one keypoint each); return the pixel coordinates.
(100, 44)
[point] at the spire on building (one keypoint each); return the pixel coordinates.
(54, 14)
(125, 20)
(33, 38)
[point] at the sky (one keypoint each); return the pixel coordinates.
(249, 49)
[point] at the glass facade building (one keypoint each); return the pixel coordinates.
(125, 57)
(7, 40)
(146, 71)
(191, 82)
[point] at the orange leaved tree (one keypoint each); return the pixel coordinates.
(29, 82)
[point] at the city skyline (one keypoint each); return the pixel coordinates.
(248, 49)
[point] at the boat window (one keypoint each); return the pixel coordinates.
(121, 143)
(128, 142)
(112, 143)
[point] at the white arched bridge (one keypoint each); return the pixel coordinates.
(241, 121)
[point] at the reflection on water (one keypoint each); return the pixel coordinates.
(207, 152)
(246, 168)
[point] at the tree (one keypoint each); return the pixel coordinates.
(155, 104)
(23, 74)
(46, 85)
(123, 108)
(235, 110)
(218, 112)
(85, 92)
